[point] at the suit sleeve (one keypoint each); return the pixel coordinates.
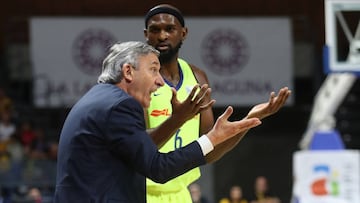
(130, 142)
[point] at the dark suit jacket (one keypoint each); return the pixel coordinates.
(105, 153)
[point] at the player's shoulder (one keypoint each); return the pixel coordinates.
(195, 68)
(199, 73)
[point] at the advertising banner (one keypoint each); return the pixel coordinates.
(245, 58)
(326, 176)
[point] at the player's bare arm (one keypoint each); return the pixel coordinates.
(260, 111)
(206, 116)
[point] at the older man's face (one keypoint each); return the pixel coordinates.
(146, 79)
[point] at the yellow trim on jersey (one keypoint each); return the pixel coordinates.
(158, 111)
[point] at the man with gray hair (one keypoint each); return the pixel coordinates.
(105, 152)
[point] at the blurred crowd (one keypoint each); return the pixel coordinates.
(261, 193)
(27, 156)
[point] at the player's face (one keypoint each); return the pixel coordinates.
(165, 33)
(146, 79)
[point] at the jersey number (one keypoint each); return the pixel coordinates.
(178, 140)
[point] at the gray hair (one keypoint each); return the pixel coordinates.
(120, 54)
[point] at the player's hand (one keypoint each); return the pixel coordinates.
(224, 129)
(194, 103)
(264, 110)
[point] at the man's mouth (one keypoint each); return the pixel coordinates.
(162, 47)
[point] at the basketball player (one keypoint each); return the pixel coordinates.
(165, 30)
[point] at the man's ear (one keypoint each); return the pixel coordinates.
(127, 72)
(146, 35)
(184, 33)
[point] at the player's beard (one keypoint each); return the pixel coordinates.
(168, 55)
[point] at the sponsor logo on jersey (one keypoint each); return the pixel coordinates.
(163, 112)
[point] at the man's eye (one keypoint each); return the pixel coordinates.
(170, 29)
(154, 30)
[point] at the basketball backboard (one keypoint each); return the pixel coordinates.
(342, 36)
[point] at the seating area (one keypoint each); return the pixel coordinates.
(28, 150)
(19, 180)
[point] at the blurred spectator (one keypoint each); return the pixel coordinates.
(262, 193)
(6, 103)
(16, 154)
(235, 196)
(196, 195)
(27, 134)
(4, 159)
(53, 149)
(34, 194)
(15, 149)
(7, 127)
(19, 195)
(39, 147)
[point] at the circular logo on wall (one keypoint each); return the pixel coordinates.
(90, 48)
(225, 51)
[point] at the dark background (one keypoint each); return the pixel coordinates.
(266, 150)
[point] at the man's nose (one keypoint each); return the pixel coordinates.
(164, 35)
(160, 81)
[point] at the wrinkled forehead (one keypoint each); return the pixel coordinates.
(149, 60)
(163, 18)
